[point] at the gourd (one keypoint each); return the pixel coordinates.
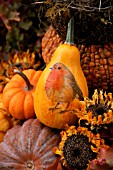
(62, 85)
(29, 147)
(18, 94)
(6, 121)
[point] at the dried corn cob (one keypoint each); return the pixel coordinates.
(50, 42)
(96, 60)
(97, 64)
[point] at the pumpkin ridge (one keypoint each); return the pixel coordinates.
(36, 76)
(47, 139)
(13, 138)
(11, 88)
(31, 73)
(50, 140)
(41, 149)
(13, 94)
(29, 141)
(11, 165)
(46, 147)
(24, 130)
(32, 94)
(11, 103)
(12, 85)
(7, 150)
(39, 141)
(37, 131)
(46, 160)
(24, 103)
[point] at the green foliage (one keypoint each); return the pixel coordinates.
(20, 26)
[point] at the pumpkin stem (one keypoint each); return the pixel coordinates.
(70, 32)
(29, 86)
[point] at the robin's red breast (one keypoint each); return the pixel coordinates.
(61, 85)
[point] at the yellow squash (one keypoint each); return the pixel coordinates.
(61, 86)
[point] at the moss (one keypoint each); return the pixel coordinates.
(93, 19)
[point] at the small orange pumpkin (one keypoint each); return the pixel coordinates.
(18, 94)
(6, 121)
(62, 85)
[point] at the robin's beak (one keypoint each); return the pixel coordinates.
(50, 68)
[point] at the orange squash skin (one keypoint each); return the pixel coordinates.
(69, 56)
(16, 100)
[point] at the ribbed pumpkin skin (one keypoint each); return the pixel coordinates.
(18, 101)
(69, 56)
(29, 144)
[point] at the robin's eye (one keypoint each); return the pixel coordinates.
(59, 68)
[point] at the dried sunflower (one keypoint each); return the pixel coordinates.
(78, 147)
(18, 60)
(98, 112)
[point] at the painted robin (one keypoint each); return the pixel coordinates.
(61, 86)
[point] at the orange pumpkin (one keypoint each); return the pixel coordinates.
(6, 121)
(29, 147)
(18, 94)
(1, 88)
(62, 85)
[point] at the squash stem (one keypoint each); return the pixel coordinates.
(29, 86)
(70, 32)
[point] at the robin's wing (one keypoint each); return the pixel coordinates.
(78, 92)
(76, 89)
(73, 83)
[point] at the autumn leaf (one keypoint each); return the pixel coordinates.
(13, 15)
